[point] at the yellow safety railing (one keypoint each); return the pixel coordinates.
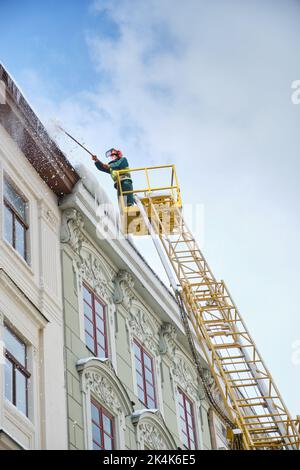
(149, 189)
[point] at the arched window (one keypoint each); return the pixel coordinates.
(105, 404)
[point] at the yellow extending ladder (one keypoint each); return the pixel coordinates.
(252, 401)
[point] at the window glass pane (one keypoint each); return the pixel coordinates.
(15, 199)
(95, 414)
(181, 411)
(137, 350)
(180, 398)
(20, 238)
(101, 352)
(88, 326)
(188, 407)
(138, 366)
(151, 403)
(8, 380)
(192, 445)
(139, 380)
(184, 440)
(107, 442)
(147, 361)
(8, 225)
(150, 390)
(90, 343)
(14, 346)
(21, 392)
(107, 424)
(149, 376)
(88, 311)
(99, 308)
(100, 323)
(190, 420)
(96, 447)
(96, 434)
(100, 339)
(87, 295)
(141, 394)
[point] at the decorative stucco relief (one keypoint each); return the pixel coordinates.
(152, 437)
(123, 292)
(103, 390)
(151, 431)
(71, 229)
(141, 327)
(91, 270)
(185, 377)
(167, 337)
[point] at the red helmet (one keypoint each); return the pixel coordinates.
(113, 153)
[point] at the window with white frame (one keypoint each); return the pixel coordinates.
(187, 421)
(16, 372)
(95, 326)
(103, 432)
(15, 219)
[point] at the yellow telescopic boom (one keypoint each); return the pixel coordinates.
(252, 402)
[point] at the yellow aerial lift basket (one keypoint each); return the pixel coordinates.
(156, 187)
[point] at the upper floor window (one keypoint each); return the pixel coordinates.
(145, 376)
(95, 323)
(187, 421)
(16, 373)
(102, 428)
(15, 219)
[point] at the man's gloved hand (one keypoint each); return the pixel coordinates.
(95, 158)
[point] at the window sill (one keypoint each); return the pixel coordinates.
(18, 415)
(12, 252)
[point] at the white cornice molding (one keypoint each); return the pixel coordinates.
(19, 296)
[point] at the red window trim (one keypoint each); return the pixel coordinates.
(143, 351)
(186, 431)
(17, 365)
(95, 334)
(102, 410)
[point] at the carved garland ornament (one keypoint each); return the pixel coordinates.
(90, 269)
(103, 390)
(152, 437)
(140, 327)
(185, 377)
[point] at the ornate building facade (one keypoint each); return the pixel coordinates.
(131, 381)
(93, 354)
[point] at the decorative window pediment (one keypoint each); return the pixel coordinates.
(95, 272)
(185, 377)
(151, 431)
(99, 378)
(143, 329)
(100, 382)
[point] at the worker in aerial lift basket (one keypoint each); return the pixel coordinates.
(117, 162)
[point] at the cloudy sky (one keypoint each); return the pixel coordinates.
(203, 84)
